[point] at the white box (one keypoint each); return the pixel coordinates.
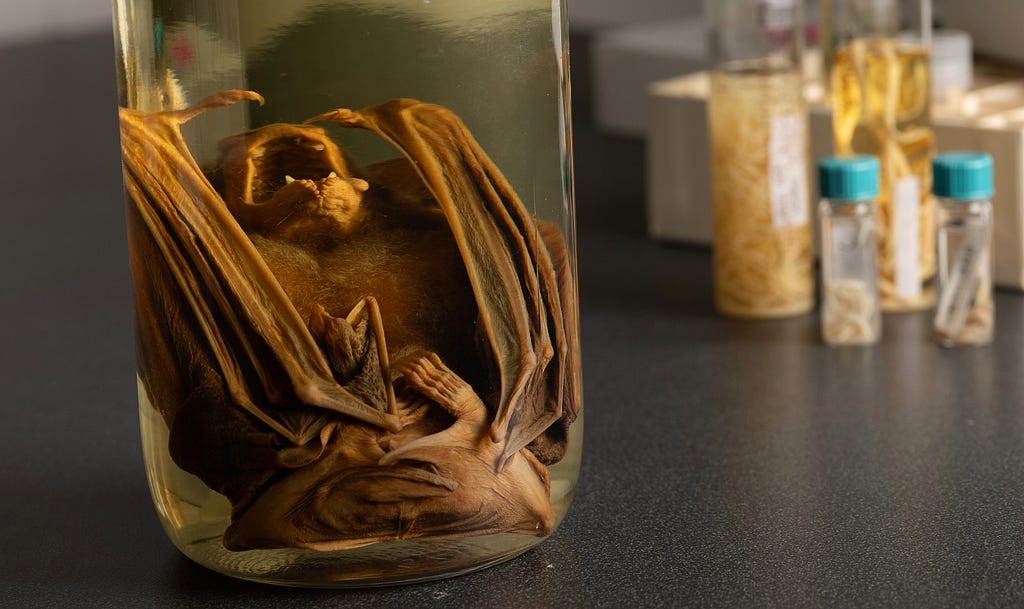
(991, 119)
(994, 25)
(626, 60)
(592, 15)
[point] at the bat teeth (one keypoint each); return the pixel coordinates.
(332, 175)
(319, 147)
(288, 179)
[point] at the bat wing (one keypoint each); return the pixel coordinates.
(509, 263)
(243, 319)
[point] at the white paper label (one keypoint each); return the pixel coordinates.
(787, 171)
(906, 205)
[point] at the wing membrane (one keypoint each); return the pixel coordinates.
(244, 316)
(518, 294)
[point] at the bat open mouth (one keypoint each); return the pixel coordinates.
(282, 161)
(258, 165)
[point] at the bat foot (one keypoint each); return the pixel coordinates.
(428, 376)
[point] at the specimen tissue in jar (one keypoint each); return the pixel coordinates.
(351, 354)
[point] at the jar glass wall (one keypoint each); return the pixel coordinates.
(352, 248)
(850, 313)
(966, 309)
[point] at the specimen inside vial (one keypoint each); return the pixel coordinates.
(849, 312)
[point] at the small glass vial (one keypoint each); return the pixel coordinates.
(965, 315)
(850, 313)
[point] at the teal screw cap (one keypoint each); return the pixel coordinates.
(965, 176)
(849, 178)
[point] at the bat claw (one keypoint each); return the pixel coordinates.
(217, 100)
(342, 116)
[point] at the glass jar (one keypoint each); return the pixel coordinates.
(757, 125)
(881, 103)
(965, 314)
(850, 314)
(353, 257)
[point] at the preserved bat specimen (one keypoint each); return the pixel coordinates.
(351, 354)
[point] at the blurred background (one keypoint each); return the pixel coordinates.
(68, 289)
(26, 20)
(57, 66)
(57, 70)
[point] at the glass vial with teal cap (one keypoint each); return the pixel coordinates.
(965, 314)
(850, 313)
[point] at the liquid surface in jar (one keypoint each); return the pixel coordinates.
(881, 106)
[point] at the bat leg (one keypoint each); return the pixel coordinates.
(427, 375)
(368, 306)
(357, 352)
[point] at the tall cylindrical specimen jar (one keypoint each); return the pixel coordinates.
(965, 313)
(757, 124)
(850, 314)
(881, 98)
(353, 257)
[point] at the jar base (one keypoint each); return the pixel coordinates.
(747, 313)
(894, 304)
(381, 564)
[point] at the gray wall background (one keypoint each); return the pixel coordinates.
(32, 19)
(25, 20)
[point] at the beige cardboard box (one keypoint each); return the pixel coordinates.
(990, 118)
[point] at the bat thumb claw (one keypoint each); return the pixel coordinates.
(218, 100)
(342, 116)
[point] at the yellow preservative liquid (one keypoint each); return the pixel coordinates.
(881, 92)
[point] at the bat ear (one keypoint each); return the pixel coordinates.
(219, 100)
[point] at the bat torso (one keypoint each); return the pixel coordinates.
(402, 254)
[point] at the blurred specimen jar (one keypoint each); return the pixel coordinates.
(757, 124)
(850, 313)
(353, 256)
(881, 106)
(965, 314)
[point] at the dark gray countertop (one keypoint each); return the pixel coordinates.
(726, 463)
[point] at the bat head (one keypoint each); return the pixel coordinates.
(290, 178)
